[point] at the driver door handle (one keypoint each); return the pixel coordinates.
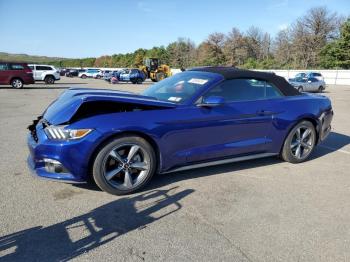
(264, 112)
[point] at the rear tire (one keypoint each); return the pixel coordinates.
(139, 81)
(124, 165)
(50, 80)
(320, 89)
(299, 143)
(17, 83)
(83, 76)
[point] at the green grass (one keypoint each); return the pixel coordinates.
(28, 58)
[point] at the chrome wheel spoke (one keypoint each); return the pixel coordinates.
(306, 133)
(298, 151)
(140, 166)
(116, 156)
(113, 173)
(127, 179)
(306, 145)
(132, 152)
(294, 144)
(298, 133)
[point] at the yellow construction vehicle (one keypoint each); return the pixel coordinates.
(154, 70)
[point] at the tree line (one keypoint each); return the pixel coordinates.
(319, 39)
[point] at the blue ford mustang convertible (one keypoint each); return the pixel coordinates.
(200, 117)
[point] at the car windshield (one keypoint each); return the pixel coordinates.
(180, 87)
(300, 75)
(300, 79)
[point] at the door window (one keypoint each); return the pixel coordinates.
(244, 90)
(3, 67)
(17, 67)
(43, 68)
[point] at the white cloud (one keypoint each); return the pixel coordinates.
(277, 4)
(283, 26)
(144, 7)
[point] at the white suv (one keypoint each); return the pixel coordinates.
(95, 73)
(46, 73)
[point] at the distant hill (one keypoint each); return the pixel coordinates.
(29, 58)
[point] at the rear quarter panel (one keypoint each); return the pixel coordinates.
(290, 111)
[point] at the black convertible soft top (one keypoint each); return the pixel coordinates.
(232, 73)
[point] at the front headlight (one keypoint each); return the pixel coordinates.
(60, 133)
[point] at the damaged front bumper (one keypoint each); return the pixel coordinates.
(63, 161)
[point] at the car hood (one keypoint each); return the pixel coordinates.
(62, 110)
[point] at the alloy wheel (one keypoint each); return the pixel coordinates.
(17, 83)
(126, 166)
(302, 142)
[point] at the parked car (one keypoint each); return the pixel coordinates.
(63, 71)
(15, 74)
(46, 73)
(308, 84)
(310, 75)
(107, 77)
(104, 73)
(74, 72)
(135, 76)
(94, 73)
(197, 118)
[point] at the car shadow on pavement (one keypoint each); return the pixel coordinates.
(160, 180)
(335, 141)
(73, 237)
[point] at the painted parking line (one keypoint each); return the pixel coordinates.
(334, 149)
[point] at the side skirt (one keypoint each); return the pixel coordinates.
(219, 162)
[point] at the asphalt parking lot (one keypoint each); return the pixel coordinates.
(261, 210)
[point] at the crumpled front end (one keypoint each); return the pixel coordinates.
(65, 161)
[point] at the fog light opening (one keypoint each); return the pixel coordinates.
(54, 166)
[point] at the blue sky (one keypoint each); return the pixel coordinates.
(99, 27)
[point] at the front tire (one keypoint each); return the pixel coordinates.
(124, 165)
(300, 89)
(299, 143)
(320, 89)
(17, 83)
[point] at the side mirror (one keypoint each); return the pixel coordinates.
(212, 101)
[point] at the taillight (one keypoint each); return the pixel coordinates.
(28, 70)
